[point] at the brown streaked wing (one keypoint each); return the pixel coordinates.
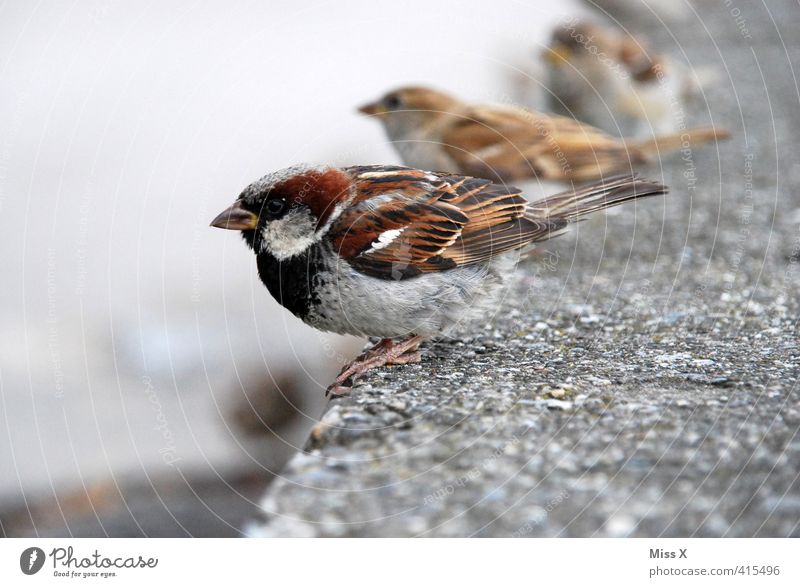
(372, 180)
(511, 143)
(397, 225)
(442, 222)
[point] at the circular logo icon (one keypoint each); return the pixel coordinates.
(31, 560)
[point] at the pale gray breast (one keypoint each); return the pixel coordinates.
(421, 149)
(431, 304)
(424, 153)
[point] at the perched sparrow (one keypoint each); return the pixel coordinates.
(432, 130)
(614, 81)
(398, 253)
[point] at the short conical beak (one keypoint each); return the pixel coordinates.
(558, 54)
(371, 109)
(234, 217)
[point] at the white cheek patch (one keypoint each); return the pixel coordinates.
(289, 236)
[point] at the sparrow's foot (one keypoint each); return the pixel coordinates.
(337, 390)
(384, 352)
(406, 358)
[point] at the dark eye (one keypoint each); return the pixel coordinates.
(275, 207)
(392, 102)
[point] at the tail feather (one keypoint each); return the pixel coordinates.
(571, 205)
(678, 140)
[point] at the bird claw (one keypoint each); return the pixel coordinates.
(385, 352)
(335, 390)
(406, 358)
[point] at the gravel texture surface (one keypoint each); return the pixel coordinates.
(639, 379)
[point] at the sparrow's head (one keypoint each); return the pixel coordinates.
(591, 47)
(580, 41)
(287, 211)
(411, 108)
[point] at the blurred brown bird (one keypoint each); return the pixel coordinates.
(610, 79)
(433, 130)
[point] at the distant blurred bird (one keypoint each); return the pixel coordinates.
(655, 11)
(398, 253)
(432, 130)
(614, 81)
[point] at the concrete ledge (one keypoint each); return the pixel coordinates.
(577, 424)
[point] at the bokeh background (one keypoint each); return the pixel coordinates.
(149, 385)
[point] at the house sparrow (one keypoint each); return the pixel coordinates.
(432, 130)
(398, 253)
(614, 81)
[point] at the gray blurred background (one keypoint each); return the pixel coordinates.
(149, 385)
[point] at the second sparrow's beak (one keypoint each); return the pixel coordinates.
(558, 54)
(372, 109)
(234, 217)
